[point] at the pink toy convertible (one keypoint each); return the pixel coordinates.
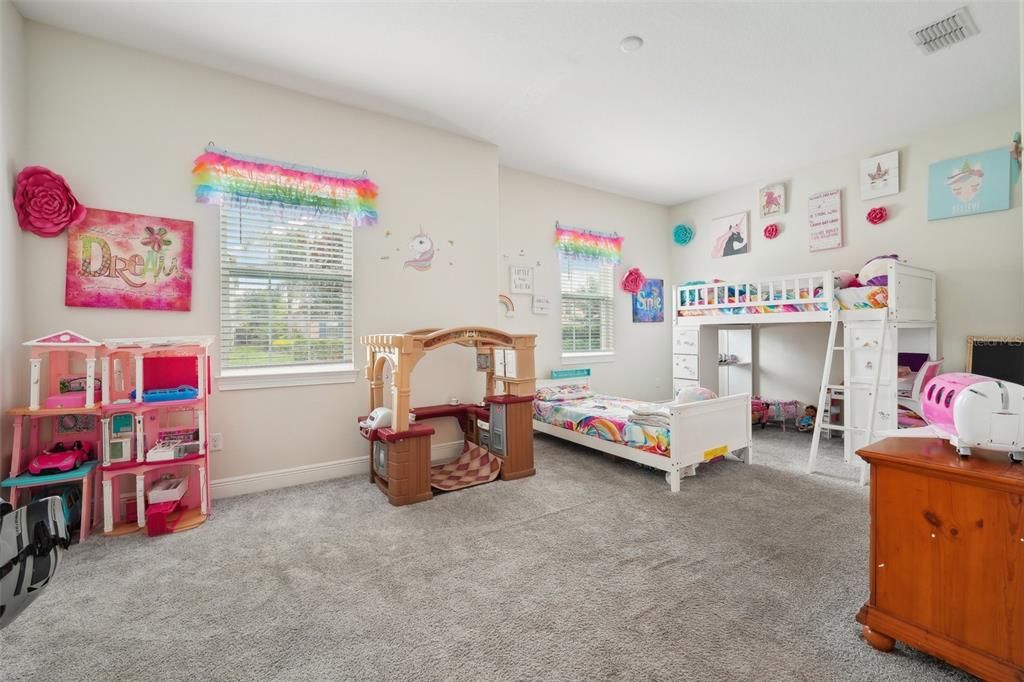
(60, 458)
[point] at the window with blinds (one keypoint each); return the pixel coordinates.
(587, 307)
(286, 287)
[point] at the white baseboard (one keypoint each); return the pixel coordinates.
(310, 473)
(283, 478)
(443, 452)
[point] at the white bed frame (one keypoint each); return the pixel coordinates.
(911, 298)
(699, 431)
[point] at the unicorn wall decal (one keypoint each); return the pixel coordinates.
(422, 247)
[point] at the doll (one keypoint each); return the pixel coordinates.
(806, 422)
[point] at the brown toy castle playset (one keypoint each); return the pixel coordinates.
(498, 430)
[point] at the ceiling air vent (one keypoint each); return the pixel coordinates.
(950, 29)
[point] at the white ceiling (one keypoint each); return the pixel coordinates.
(721, 94)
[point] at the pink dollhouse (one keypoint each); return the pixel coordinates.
(144, 421)
(155, 427)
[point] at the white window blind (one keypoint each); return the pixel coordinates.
(587, 307)
(286, 287)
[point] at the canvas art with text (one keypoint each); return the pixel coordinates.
(965, 185)
(124, 260)
(649, 302)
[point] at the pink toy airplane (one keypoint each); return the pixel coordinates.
(972, 411)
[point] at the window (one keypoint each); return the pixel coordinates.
(587, 307)
(286, 289)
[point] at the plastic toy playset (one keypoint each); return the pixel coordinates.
(498, 429)
(973, 411)
(143, 421)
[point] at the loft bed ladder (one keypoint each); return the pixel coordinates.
(826, 375)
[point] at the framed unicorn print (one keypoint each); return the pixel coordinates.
(970, 184)
(772, 199)
(880, 176)
(732, 235)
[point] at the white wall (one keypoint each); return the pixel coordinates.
(977, 257)
(530, 206)
(11, 131)
(127, 143)
(124, 127)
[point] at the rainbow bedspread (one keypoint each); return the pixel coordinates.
(605, 417)
(857, 298)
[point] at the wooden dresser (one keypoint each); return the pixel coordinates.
(947, 555)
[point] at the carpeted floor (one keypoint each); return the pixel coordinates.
(591, 569)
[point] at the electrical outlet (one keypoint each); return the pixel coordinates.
(216, 441)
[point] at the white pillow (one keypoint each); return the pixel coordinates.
(693, 394)
(563, 392)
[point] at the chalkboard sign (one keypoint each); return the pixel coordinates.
(999, 357)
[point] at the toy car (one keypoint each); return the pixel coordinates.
(71, 496)
(60, 458)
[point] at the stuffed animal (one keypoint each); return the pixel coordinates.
(806, 422)
(873, 274)
(846, 279)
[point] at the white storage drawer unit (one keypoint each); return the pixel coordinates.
(695, 352)
(861, 339)
(685, 340)
(684, 366)
(680, 384)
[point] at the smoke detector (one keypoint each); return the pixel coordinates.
(945, 32)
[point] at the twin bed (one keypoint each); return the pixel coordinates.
(693, 433)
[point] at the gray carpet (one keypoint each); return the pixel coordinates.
(591, 569)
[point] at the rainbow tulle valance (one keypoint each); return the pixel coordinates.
(587, 245)
(219, 174)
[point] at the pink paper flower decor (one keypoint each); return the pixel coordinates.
(633, 281)
(44, 203)
(771, 230)
(877, 215)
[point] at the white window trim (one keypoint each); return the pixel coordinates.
(587, 358)
(293, 375)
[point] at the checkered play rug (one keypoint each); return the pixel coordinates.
(475, 466)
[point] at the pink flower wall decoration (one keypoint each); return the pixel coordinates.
(877, 215)
(633, 280)
(44, 203)
(771, 230)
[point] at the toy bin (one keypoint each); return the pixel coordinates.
(161, 518)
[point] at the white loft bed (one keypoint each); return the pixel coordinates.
(911, 298)
(699, 431)
(911, 305)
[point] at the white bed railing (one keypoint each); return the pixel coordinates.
(813, 289)
(911, 296)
